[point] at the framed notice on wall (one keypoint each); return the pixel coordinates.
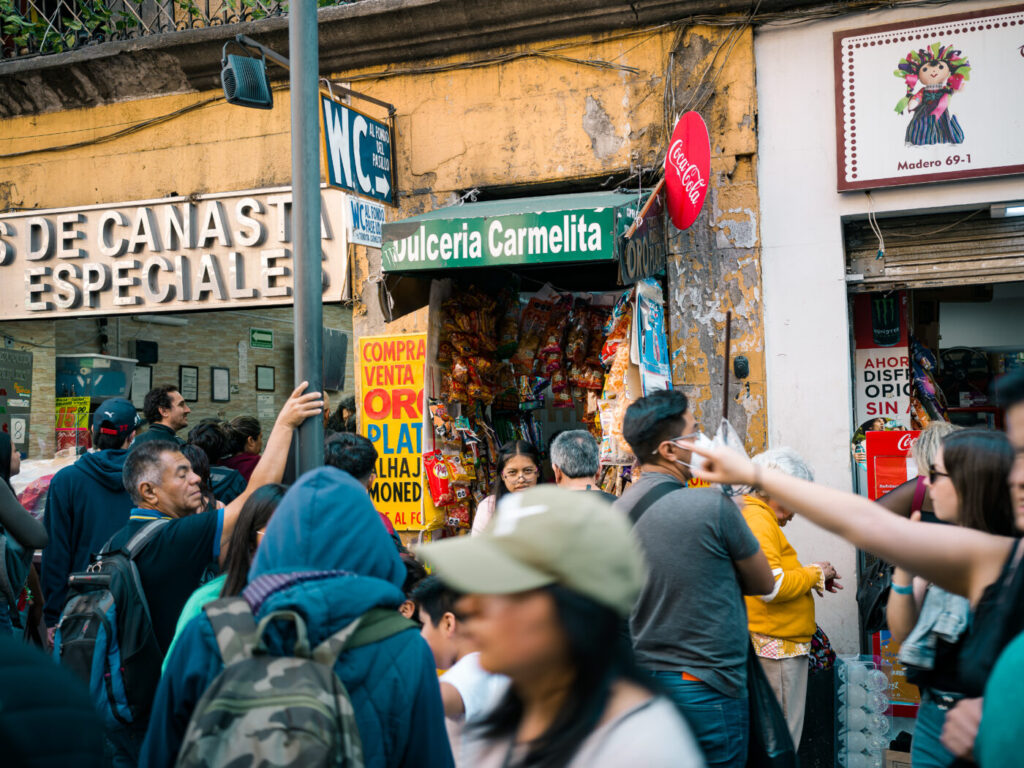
(220, 384)
(188, 382)
(930, 100)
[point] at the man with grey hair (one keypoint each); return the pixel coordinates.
(575, 459)
(163, 487)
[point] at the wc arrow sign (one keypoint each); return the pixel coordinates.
(357, 151)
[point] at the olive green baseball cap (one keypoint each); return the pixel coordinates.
(543, 536)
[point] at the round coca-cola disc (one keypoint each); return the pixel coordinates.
(687, 169)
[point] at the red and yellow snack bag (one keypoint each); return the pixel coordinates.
(438, 479)
(458, 516)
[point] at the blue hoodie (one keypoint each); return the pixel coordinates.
(85, 506)
(325, 522)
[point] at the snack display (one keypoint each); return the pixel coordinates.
(507, 364)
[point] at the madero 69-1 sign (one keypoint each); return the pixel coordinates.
(357, 151)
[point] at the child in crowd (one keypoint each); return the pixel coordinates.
(467, 690)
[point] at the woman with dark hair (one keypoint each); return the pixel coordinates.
(22, 533)
(245, 538)
(518, 469)
(213, 438)
(967, 485)
(246, 444)
(547, 588)
(201, 466)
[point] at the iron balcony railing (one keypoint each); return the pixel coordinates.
(41, 27)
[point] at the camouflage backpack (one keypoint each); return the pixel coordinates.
(279, 710)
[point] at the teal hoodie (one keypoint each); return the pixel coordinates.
(326, 529)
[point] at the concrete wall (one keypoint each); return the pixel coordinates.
(806, 327)
(39, 338)
(715, 265)
(994, 325)
(536, 120)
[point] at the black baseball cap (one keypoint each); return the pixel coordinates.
(116, 416)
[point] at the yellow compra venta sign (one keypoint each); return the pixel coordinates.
(391, 372)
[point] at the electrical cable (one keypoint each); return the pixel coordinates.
(873, 223)
(797, 16)
(945, 228)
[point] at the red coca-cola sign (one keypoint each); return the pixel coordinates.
(687, 169)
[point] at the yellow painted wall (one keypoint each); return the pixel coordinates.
(549, 112)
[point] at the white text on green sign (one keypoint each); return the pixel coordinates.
(357, 150)
(526, 238)
(261, 338)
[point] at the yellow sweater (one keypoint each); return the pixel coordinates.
(788, 612)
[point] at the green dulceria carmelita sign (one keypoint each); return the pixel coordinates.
(536, 230)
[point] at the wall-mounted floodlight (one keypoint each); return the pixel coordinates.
(244, 79)
(1006, 210)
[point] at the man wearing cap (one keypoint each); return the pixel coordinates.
(87, 502)
(167, 413)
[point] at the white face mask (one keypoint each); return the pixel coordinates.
(696, 460)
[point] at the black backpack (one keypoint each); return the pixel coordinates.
(106, 635)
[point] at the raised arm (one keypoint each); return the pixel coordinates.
(270, 468)
(25, 529)
(960, 560)
(903, 608)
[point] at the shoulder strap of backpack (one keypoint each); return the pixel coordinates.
(373, 626)
(5, 583)
(234, 628)
(648, 499)
(139, 540)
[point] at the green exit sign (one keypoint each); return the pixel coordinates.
(261, 338)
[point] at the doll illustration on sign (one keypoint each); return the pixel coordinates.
(941, 72)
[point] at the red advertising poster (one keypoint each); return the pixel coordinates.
(882, 377)
(687, 166)
(890, 464)
(889, 461)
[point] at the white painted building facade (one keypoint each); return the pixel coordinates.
(807, 327)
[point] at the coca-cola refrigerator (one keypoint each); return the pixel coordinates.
(890, 464)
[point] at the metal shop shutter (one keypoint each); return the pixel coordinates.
(958, 248)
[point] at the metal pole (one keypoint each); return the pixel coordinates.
(303, 45)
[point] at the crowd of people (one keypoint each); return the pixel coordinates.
(199, 612)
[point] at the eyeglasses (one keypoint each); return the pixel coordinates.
(514, 474)
(934, 474)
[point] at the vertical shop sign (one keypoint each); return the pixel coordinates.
(650, 338)
(883, 384)
(15, 395)
(391, 372)
(71, 422)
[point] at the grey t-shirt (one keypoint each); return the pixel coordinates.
(690, 616)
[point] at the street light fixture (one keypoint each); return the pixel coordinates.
(244, 79)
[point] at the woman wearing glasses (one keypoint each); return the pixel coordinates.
(967, 485)
(518, 469)
(974, 563)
